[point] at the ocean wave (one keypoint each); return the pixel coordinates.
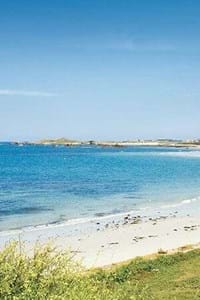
(183, 202)
(71, 222)
(179, 153)
(182, 154)
(90, 220)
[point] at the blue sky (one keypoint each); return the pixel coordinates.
(99, 69)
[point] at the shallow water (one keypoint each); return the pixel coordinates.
(46, 184)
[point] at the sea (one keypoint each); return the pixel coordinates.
(43, 184)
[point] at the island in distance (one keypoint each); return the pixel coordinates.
(151, 143)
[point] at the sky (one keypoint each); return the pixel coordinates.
(106, 70)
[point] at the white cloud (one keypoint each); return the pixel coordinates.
(25, 93)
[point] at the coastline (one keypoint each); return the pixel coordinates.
(111, 240)
(111, 234)
(195, 144)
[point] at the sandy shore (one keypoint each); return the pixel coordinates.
(117, 240)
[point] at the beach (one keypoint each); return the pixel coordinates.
(101, 208)
(107, 241)
(103, 205)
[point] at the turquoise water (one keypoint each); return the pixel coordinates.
(46, 184)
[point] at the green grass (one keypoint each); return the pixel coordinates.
(53, 275)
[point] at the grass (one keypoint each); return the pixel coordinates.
(53, 275)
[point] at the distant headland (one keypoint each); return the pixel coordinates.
(151, 143)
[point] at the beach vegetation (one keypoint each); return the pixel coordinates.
(51, 274)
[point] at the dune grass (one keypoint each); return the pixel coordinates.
(50, 274)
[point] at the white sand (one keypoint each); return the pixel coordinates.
(112, 245)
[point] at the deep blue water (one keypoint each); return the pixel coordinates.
(44, 184)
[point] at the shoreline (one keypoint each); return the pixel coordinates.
(141, 212)
(107, 243)
(106, 234)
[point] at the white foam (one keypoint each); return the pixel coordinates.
(65, 223)
(91, 220)
(182, 154)
(177, 153)
(183, 202)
